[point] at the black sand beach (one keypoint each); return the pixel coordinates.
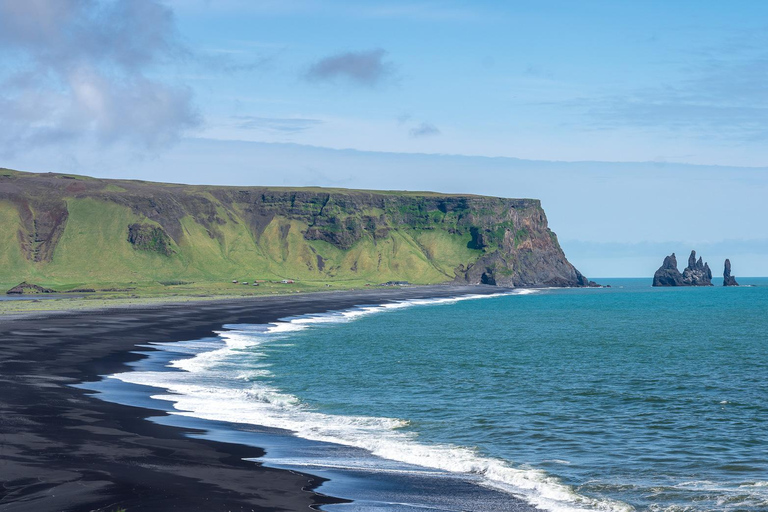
(62, 449)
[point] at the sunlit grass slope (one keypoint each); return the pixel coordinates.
(94, 251)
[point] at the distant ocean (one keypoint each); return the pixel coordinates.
(628, 398)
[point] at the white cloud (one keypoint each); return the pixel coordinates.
(83, 72)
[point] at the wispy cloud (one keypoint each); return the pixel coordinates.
(420, 10)
(403, 119)
(276, 124)
(424, 130)
(661, 249)
(83, 72)
(431, 11)
(722, 98)
(364, 68)
(735, 122)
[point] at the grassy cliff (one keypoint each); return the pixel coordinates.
(68, 232)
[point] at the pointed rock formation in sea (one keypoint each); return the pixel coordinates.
(668, 275)
(728, 279)
(697, 273)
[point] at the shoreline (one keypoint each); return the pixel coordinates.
(61, 448)
(59, 304)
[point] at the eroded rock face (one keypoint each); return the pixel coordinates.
(728, 279)
(43, 219)
(519, 250)
(697, 273)
(146, 237)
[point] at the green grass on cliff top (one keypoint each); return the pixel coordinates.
(113, 185)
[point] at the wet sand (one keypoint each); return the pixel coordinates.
(62, 449)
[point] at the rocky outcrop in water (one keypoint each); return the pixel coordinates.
(668, 275)
(697, 273)
(728, 279)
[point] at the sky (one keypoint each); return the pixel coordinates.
(642, 126)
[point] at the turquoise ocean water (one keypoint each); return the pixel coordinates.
(628, 398)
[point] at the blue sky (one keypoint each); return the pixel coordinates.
(615, 81)
(485, 97)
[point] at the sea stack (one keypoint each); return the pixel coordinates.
(668, 275)
(697, 273)
(728, 279)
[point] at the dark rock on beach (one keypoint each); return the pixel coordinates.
(728, 279)
(697, 273)
(28, 288)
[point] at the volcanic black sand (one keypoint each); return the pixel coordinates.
(63, 449)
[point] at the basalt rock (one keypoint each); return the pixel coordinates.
(728, 279)
(697, 273)
(668, 275)
(28, 288)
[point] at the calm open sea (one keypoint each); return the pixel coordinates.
(628, 398)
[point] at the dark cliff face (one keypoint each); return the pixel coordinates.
(507, 241)
(728, 279)
(697, 273)
(533, 260)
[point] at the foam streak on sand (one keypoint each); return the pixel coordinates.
(224, 383)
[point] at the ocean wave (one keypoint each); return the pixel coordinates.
(222, 383)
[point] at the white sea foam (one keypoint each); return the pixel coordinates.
(751, 495)
(208, 388)
(759, 483)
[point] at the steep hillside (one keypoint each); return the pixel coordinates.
(74, 231)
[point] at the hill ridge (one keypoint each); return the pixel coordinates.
(70, 230)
